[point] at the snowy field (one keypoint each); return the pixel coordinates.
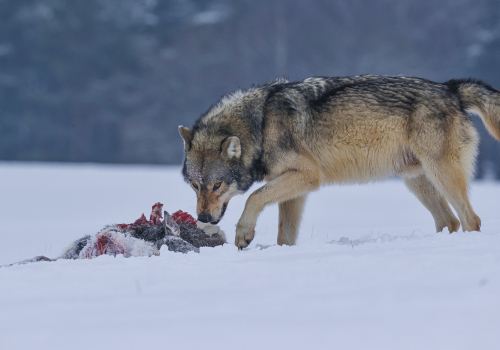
(368, 271)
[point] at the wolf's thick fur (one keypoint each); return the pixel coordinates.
(298, 136)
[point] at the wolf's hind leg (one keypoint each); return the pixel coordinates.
(447, 148)
(434, 201)
(451, 179)
(290, 215)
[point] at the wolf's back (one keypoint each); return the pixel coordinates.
(480, 98)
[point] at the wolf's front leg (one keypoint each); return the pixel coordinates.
(291, 184)
(290, 214)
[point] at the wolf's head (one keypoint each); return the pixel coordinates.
(212, 168)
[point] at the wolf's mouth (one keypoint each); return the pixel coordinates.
(223, 210)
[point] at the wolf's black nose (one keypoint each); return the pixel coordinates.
(205, 217)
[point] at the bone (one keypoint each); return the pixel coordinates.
(171, 224)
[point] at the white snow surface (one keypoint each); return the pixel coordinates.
(387, 281)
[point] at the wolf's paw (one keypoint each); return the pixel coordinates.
(475, 225)
(244, 235)
(452, 224)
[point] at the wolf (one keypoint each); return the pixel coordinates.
(299, 136)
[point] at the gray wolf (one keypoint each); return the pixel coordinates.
(298, 136)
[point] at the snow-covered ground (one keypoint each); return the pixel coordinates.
(392, 283)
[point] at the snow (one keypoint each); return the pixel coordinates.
(386, 280)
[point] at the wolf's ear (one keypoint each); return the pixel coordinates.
(186, 134)
(231, 148)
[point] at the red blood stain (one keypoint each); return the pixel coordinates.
(154, 218)
(181, 217)
(106, 245)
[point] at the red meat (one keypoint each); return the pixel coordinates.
(181, 217)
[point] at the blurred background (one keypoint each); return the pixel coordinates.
(109, 81)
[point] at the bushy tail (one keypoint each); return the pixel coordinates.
(480, 98)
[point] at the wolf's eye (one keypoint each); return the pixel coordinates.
(217, 185)
(195, 186)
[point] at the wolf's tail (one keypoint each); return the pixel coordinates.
(479, 98)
